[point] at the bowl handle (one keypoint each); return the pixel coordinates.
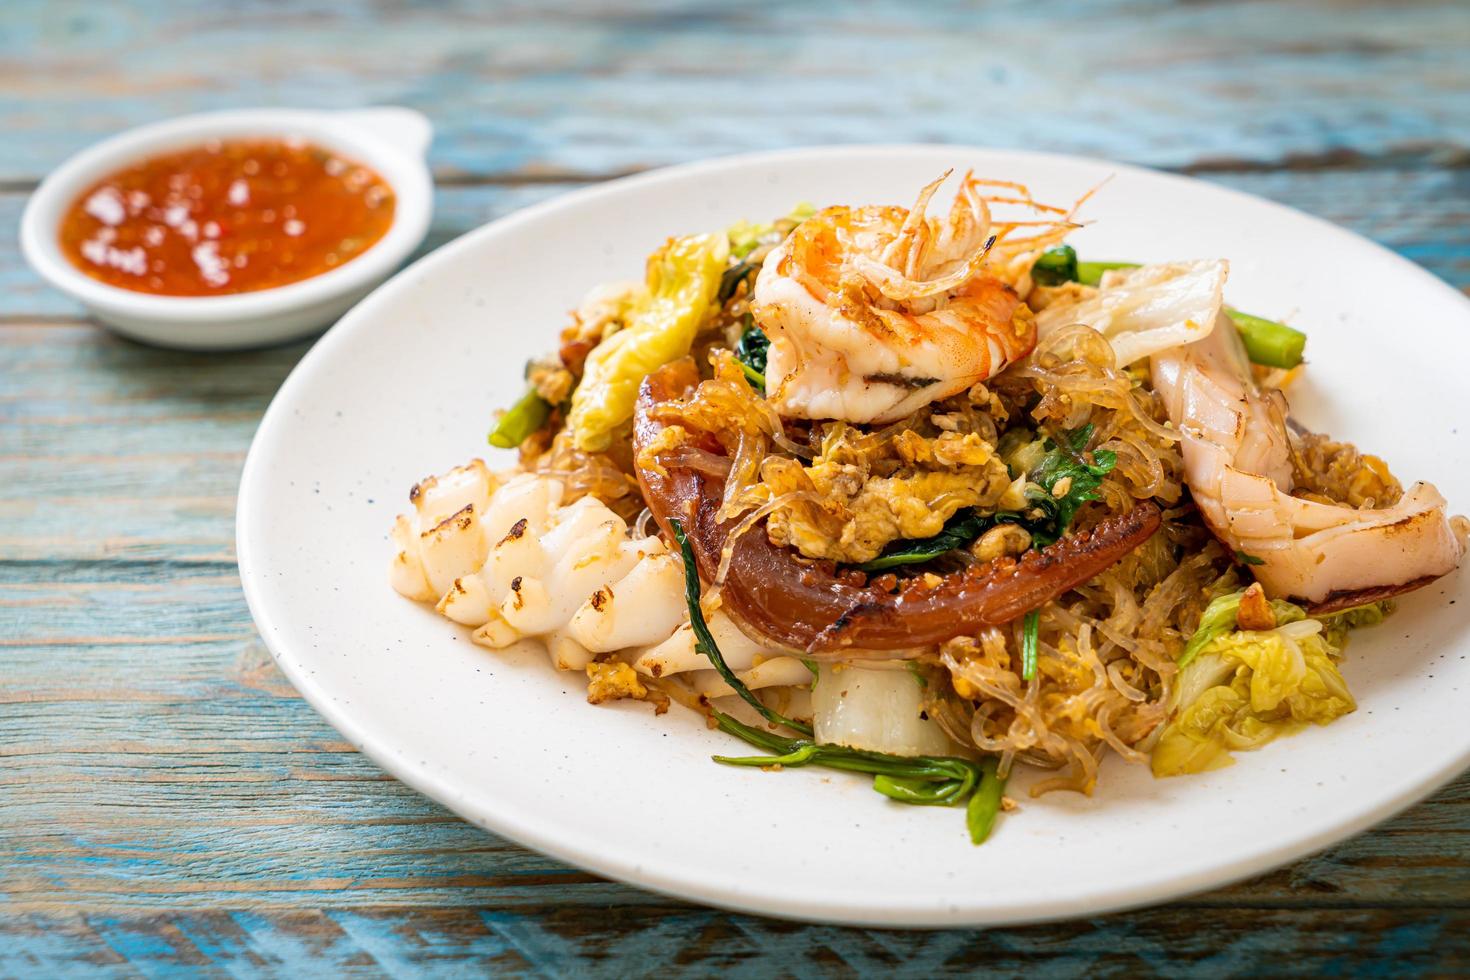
(407, 129)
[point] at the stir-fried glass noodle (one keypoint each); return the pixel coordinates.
(927, 498)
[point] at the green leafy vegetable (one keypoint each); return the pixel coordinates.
(682, 284)
(1370, 615)
(751, 350)
(799, 213)
(918, 792)
(956, 777)
(1021, 451)
(1030, 638)
(704, 640)
(1248, 559)
(745, 237)
(528, 414)
(923, 780)
(961, 529)
(1047, 518)
(1239, 689)
(1338, 624)
(1268, 342)
(1067, 480)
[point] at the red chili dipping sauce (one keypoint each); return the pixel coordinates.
(229, 216)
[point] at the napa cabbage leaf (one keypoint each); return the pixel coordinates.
(1145, 310)
(683, 281)
(1244, 688)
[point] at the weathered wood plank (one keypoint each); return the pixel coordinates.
(637, 940)
(1422, 213)
(142, 724)
(603, 88)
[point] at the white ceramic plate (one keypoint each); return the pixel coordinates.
(405, 385)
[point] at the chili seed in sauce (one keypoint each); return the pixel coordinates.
(228, 216)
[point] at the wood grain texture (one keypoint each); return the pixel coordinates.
(1421, 212)
(641, 940)
(168, 804)
(564, 87)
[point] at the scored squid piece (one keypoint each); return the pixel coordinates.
(1237, 462)
(441, 540)
(780, 599)
(751, 661)
(513, 562)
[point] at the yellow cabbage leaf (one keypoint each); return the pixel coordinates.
(1246, 688)
(683, 279)
(745, 236)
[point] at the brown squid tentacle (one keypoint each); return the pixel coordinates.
(987, 595)
(781, 599)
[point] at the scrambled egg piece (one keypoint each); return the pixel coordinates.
(614, 680)
(863, 491)
(1334, 472)
(1062, 294)
(875, 491)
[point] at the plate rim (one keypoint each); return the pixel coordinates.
(500, 819)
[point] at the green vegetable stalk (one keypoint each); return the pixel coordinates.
(526, 416)
(1058, 265)
(916, 780)
(1091, 273)
(1268, 342)
(1030, 640)
(985, 804)
(704, 640)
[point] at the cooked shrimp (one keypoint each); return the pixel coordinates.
(1237, 461)
(874, 312)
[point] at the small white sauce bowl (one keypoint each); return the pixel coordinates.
(390, 140)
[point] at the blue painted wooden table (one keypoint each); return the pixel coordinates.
(167, 803)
